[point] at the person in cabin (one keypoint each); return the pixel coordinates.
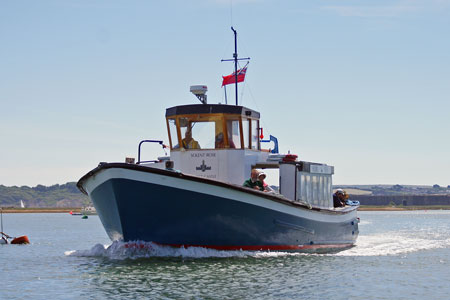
(220, 142)
(188, 142)
(261, 177)
(230, 134)
(253, 181)
(230, 140)
(339, 198)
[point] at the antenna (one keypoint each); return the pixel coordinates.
(200, 92)
(235, 59)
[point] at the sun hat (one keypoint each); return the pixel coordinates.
(339, 191)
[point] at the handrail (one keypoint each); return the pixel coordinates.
(148, 141)
(275, 141)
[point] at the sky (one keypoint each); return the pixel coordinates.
(360, 85)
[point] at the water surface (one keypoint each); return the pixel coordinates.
(399, 255)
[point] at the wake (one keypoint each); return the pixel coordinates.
(388, 243)
(135, 250)
(394, 243)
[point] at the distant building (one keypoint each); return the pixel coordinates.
(397, 187)
(436, 186)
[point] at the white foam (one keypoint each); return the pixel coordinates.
(134, 250)
(393, 243)
(388, 243)
(364, 222)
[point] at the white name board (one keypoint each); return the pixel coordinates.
(204, 164)
(320, 169)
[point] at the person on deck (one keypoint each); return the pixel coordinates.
(253, 181)
(339, 198)
(188, 142)
(261, 177)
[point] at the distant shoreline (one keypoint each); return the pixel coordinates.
(361, 208)
(403, 208)
(41, 210)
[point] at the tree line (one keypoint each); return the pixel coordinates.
(64, 195)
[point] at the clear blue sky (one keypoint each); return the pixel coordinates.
(361, 85)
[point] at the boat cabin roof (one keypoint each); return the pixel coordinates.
(211, 109)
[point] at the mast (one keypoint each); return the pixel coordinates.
(235, 56)
(235, 59)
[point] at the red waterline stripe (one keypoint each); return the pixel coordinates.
(247, 248)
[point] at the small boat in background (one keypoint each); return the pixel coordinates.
(88, 210)
(20, 240)
(15, 240)
(84, 211)
(3, 240)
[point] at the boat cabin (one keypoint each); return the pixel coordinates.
(212, 126)
(215, 141)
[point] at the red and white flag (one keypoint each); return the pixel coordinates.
(230, 79)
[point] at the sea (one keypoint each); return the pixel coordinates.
(398, 255)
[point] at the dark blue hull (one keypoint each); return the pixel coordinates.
(132, 210)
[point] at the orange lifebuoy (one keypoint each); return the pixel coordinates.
(21, 240)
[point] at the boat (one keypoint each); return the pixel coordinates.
(5, 237)
(20, 240)
(194, 197)
(88, 210)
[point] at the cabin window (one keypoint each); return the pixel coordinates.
(301, 187)
(246, 132)
(328, 190)
(315, 186)
(234, 134)
(202, 132)
(315, 189)
(213, 131)
(205, 133)
(308, 189)
(255, 135)
(321, 191)
(173, 136)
